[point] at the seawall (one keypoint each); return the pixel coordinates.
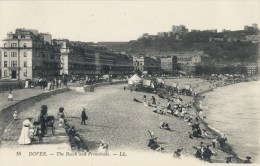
(6, 114)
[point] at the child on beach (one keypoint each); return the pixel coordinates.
(10, 96)
(177, 153)
(15, 115)
(164, 125)
(61, 116)
(214, 142)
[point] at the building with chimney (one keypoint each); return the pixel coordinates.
(26, 54)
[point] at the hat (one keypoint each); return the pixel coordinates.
(179, 150)
(248, 157)
(44, 106)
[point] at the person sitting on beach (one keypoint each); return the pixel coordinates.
(176, 113)
(136, 100)
(155, 109)
(103, 147)
(205, 134)
(196, 132)
(164, 125)
(207, 153)
(165, 110)
(154, 145)
(199, 150)
(188, 119)
(71, 131)
(160, 95)
(168, 106)
(188, 105)
(197, 119)
(195, 125)
(229, 159)
(177, 153)
(222, 141)
(144, 98)
(183, 112)
(248, 160)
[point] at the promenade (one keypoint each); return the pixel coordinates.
(19, 95)
(115, 119)
(10, 129)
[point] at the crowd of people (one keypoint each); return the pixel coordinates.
(52, 84)
(34, 130)
(177, 108)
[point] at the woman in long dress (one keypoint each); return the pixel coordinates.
(24, 137)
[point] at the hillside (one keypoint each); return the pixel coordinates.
(233, 51)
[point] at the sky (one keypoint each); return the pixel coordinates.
(94, 21)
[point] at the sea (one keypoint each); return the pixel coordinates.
(235, 111)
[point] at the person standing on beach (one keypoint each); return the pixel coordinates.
(199, 150)
(15, 115)
(84, 117)
(153, 100)
(10, 96)
(214, 142)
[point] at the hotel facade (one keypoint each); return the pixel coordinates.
(26, 55)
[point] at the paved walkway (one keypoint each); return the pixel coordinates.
(59, 141)
(50, 143)
(19, 95)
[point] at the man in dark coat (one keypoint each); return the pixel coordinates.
(84, 117)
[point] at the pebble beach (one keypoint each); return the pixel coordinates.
(122, 123)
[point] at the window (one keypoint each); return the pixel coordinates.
(25, 54)
(25, 74)
(13, 63)
(24, 45)
(5, 63)
(5, 44)
(52, 56)
(5, 73)
(24, 64)
(5, 54)
(13, 54)
(13, 45)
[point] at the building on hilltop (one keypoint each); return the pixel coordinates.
(253, 27)
(181, 29)
(26, 54)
